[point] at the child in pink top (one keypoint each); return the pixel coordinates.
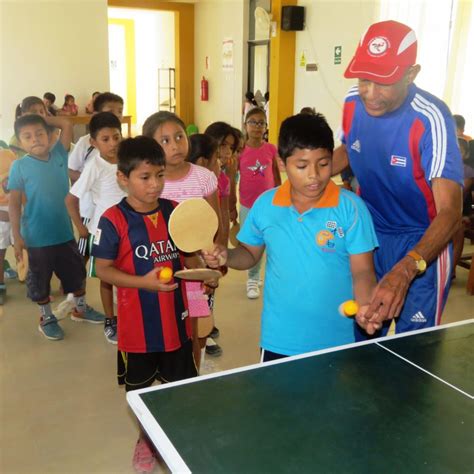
(258, 168)
(184, 180)
(69, 107)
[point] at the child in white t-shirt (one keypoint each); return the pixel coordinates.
(83, 152)
(99, 182)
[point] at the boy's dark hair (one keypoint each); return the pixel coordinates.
(460, 122)
(133, 151)
(201, 146)
(156, 120)
(49, 96)
(31, 119)
(304, 131)
(255, 111)
(26, 104)
(308, 110)
(219, 131)
(103, 120)
(104, 98)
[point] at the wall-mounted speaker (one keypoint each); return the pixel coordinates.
(292, 18)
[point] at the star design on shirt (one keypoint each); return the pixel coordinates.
(258, 168)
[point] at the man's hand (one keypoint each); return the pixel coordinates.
(216, 257)
(390, 293)
(151, 281)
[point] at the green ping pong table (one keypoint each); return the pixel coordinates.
(401, 404)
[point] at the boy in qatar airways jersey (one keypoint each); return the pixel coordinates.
(131, 247)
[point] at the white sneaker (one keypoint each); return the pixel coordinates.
(65, 307)
(260, 283)
(253, 291)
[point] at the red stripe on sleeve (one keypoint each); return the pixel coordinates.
(347, 116)
(416, 132)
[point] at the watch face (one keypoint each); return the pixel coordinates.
(421, 264)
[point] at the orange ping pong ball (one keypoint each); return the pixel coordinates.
(165, 275)
(350, 308)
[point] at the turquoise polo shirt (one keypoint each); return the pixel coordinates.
(308, 271)
(45, 183)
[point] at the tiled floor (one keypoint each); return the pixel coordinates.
(60, 408)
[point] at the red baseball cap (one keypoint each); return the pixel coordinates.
(385, 52)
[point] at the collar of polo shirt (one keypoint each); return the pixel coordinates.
(330, 198)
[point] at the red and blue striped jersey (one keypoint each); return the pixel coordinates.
(136, 242)
(396, 156)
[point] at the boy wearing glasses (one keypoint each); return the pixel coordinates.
(258, 168)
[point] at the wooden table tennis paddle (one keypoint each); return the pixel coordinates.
(198, 274)
(22, 267)
(193, 225)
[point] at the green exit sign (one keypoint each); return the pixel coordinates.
(337, 54)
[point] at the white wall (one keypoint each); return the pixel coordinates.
(154, 48)
(216, 20)
(329, 24)
(56, 46)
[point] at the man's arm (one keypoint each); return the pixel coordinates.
(391, 291)
(66, 129)
(340, 159)
(14, 211)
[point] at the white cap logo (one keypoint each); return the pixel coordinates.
(378, 46)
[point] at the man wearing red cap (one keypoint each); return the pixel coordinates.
(400, 142)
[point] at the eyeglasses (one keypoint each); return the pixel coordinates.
(253, 123)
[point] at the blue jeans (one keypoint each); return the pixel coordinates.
(254, 272)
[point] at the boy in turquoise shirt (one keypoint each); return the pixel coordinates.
(319, 241)
(44, 229)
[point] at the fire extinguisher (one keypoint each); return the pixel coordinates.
(204, 89)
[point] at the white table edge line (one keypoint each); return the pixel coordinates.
(168, 451)
(426, 371)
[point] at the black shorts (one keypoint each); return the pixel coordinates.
(140, 370)
(62, 259)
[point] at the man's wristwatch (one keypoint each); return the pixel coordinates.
(420, 262)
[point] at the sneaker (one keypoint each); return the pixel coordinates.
(9, 274)
(214, 334)
(260, 283)
(50, 328)
(253, 291)
(90, 315)
(144, 459)
(65, 307)
(110, 331)
(212, 348)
